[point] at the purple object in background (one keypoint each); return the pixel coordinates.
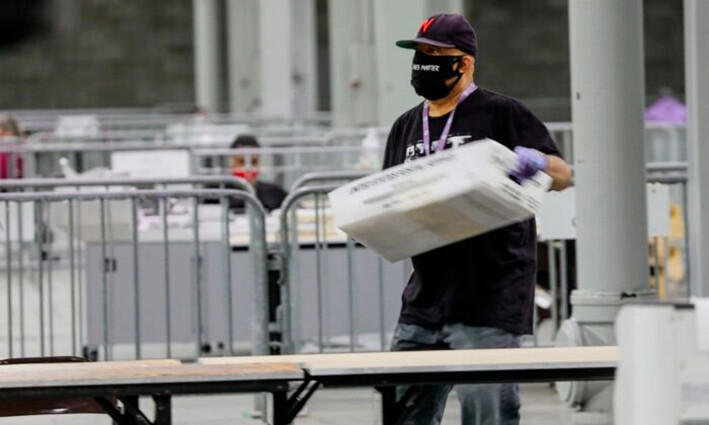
(667, 109)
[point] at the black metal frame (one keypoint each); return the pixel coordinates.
(132, 415)
(468, 377)
(128, 394)
(395, 409)
(286, 407)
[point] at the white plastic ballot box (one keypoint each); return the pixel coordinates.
(437, 200)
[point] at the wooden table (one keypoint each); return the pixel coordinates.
(385, 371)
(130, 379)
(161, 379)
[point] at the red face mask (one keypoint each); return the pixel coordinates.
(250, 175)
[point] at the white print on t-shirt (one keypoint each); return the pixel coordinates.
(416, 150)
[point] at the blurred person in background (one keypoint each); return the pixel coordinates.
(667, 108)
(271, 195)
(9, 127)
(11, 138)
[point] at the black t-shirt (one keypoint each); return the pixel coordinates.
(270, 195)
(487, 280)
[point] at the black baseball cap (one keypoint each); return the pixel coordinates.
(445, 30)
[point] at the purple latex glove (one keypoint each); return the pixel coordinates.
(529, 162)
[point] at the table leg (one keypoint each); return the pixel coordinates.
(163, 409)
(394, 411)
(131, 411)
(390, 408)
(118, 417)
(280, 408)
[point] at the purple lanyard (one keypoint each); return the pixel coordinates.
(444, 134)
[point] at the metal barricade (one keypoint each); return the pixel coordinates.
(43, 150)
(336, 295)
(663, 141)
(151, 288)
(286, 164)
(329, 177)
(157, 118)
(674, 247)
(314, 276)
(42, 159)
(59, 264)
(285, 153)
(222, 182)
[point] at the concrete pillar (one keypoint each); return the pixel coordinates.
(608, 85)
(206, 54)
(696, 30)
(370, 76)
(396, 20)
(244, 58)
(353, 66)
(276, 65)
(304, 57)
(434, 7)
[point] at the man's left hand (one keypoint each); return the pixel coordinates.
(529, 162)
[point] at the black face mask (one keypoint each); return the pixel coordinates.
(430, 73)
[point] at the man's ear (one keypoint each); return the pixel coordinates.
(467, 63)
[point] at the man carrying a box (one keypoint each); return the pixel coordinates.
(479, 292)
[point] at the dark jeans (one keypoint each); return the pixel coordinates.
(482, 404)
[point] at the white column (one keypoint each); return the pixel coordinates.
(276, 67)
(696, 30)
(435, 7)
(206, 54)
(370, 76)
(607, 90)
(244, 58)
(396, 20)
(353, 64)
(304, 56)
(608, 85)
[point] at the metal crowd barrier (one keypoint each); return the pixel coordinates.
(673, 174)
(322, 266)
(288, 163)
(663, 142)
(338, 289)
(286, 152)
(42, 159)
(116, 300)
(328, 176)
(223, 182)
(335, 294)
(188, 137)
(134, 118)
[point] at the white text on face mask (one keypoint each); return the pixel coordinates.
(433, 68)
